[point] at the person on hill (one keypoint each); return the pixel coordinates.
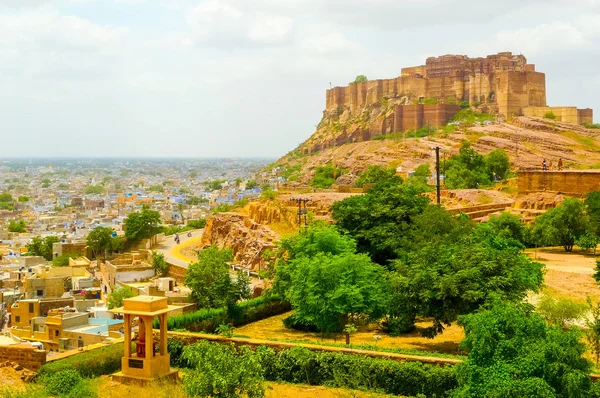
(544, 165)
(560, 164)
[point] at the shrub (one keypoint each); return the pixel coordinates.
(295, 322)
(207, 319)
(84, 388)
(549, 115)
(62, 382)
(325, 177)
(464, 104)
(222, 372)
(561, 312)
(102, 361)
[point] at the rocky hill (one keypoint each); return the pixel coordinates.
(526, 140)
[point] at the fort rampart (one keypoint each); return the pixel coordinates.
(570, 182)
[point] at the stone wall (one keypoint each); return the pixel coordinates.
(569, 114)
(25, 355)
(571, 182)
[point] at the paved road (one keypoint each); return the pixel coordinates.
(171, 250)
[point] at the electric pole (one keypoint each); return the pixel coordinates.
(302, 212)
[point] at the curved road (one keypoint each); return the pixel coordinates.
(172, 250)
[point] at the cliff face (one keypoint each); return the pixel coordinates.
(248, 239)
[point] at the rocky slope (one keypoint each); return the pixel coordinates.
(527, 141)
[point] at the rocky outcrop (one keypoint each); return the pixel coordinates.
(248, 239)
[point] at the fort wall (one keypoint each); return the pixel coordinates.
(569, 114)
(25, 355)
(571, 182)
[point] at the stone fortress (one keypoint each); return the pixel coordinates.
(429, 95)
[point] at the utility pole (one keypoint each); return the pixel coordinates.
(437, 173)
(302, 211)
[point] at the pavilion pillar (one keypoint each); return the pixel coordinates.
(149, 337)
(163, 334)
(127, 330)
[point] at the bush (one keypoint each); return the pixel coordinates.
(102, 361)
(85, 388)
(208, 319)
(62, 382)
(295, 322)
(325, 177)
(549, 115)
(561, 312)
(222, 372)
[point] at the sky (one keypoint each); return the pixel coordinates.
(240, 78)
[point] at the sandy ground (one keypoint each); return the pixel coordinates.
(111, 389)
(273, 328)
(568, 274)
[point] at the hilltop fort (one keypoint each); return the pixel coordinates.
(502, 84)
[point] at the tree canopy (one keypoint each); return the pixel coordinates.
(116, 297)
(375, 174)
(513, 354)
(100, 240)
(562, 225)
(142, 225)
(17, 226)
(42, 247)
(470, 169)
(210, 281)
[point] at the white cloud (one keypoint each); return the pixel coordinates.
(222, 23)
(323, 40)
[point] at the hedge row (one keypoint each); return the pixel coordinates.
(208, 319)
(98, 362)
(358, 372)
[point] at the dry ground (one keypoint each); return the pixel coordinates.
(273, 328)
(111, 389)
(568, 274)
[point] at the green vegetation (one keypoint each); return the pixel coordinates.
(23, 199)
(591, 125)
(290, 173)
(469, 169)
(325, 177)
(142, 225)
(360, 79)
(17, 226)
(197, 224)
(63, 382)
(160, 264)
(116, 297)
(549, 115)
(506, 340)
(211, 283)
(94, 190)
(469, 116)
(222, 371)
(98, 362)
(214, 185)
(100, 241)
(195, 201)
(156, 188)
(6, 201)
(560, 312)
(375, 174)
(300, 365)
(42, 247)
(562, 225)
(251, 184)
(62, 261)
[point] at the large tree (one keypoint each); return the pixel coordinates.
(115, 299)
(562, 225)
(42, 247)
(100, 241)
(514, 354)
(142, 225)
(210, 281)
(326, 291)
(443, 281)
(381, 220)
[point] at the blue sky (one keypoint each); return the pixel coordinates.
(247, 78)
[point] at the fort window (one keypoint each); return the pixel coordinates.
(17, 319)
(31, 308)
(40, 293)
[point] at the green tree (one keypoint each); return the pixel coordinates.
(326, 291)
(222, 371)
(94, 190)
(497, 164)
(160, 265)
(562, 225)
(506, 226)
(467, 169)
(23, 199)
(593, 329)
(117, 244)
(514, 354)
(42, 247)
(360, 79)
(197, 224)
(6, 197)
(325, 177)
(210, 280)
(214, 185)
(142, 225)
(116, 297)
(156, 188)
(17, 226)
(592, 208)
(195, 201)
(375, 174)
(443, 281)
(381, 220)
(561, 312)
(251, 184)
(61, 261)
(100, 241)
